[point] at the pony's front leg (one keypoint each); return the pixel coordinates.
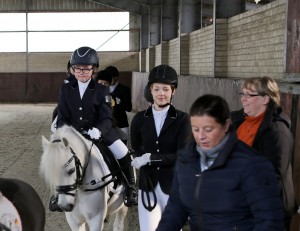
(96, 210)
(75, 223)
(120, 219)
(96, 224)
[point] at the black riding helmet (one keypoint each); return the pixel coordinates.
(160, 74)
(113, 71)
(85, 56)
(104, 75)
(163, 74)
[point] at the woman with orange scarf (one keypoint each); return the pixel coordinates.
(262, 125)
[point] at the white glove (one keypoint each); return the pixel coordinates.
(141, 161)
(94, 133)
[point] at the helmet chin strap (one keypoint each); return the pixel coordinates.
(164, 105)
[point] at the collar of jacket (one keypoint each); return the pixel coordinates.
(91, 86)
(193, 155)
(272, 115)
(227, 150)
(171, 112)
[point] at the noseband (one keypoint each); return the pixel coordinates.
(67, 189)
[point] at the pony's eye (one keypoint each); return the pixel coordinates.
(71, 171)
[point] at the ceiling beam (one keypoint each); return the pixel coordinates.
(134, 7)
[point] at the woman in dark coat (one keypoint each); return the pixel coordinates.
(262, 125)
(220, 183)
(156, 135)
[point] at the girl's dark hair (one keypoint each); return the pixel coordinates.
(211, 105)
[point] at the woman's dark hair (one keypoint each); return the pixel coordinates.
(213, 106)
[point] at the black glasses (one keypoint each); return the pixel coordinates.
(83, 70)
(241, 94)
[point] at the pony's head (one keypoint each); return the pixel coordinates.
(61, 164)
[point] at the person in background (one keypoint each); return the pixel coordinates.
(220, 183)
(121, 96)
(263, 126)
(156, 135)
(104, 77)
(86, 106)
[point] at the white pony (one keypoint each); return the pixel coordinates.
(75, 169)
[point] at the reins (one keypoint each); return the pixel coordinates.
(150, 189)
(80, 174)
(93, 182)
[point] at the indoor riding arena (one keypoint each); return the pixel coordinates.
(212, 45)
(22, 127)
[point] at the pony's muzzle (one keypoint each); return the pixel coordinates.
(68, 208)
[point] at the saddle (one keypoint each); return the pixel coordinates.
(111, 161)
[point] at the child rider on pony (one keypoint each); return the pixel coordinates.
(85, 105)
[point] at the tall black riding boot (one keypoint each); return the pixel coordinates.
(130, 195)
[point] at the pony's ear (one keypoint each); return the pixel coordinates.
(45, 142)
(65, 142)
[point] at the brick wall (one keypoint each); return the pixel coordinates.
(256, 42)
(174, 55)
(158, 54)
(57, 62)
(221, 47)
(150, 58)
(165, 51)
(246, 45)
(201, 52)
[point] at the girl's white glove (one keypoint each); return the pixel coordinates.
(94, 133)
(141, 160)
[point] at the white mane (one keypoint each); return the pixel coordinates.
(57, 152)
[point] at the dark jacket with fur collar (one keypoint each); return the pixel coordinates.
(275, 141)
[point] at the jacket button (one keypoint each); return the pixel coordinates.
(80, 108)
(80, 118)
(156, 142)
(157, 168)
(157, 150)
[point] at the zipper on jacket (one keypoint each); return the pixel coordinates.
(197, 199)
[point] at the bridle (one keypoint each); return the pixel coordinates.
(80, 172)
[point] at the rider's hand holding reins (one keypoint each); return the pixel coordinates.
(94, 133)
(141, 161)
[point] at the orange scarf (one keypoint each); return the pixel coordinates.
(246, 132)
